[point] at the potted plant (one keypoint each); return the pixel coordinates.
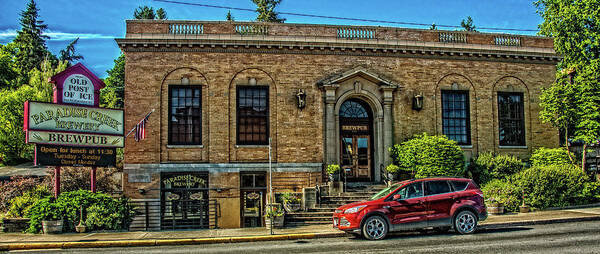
(291, 202)
(524, 208)
(335, 186)
(333, 170)
(274, 216)
(52, 226)
(494, 206)
(391, 171)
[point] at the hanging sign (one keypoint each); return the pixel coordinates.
(73, 139)
(50, 155)
(57, 117)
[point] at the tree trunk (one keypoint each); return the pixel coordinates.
(567, 145)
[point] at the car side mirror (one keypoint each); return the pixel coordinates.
(397, 196)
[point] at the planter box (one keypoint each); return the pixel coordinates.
(524, 209)
(52, 226)
(14, 224)
(290, 208)
(495, 209)
(277, 222)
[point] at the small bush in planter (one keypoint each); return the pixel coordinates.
(333, 169)
(504, 192)
(291, 201)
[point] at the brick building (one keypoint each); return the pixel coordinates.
(322, 94)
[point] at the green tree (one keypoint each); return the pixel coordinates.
(266, 11)
(433, 27)
(13, 149)
(161, 14)
(112, 95)
(30, 42)
(229, 17)
(8, 72)
(468, 24)
(68, 54)
(574, 98)
(146, 12)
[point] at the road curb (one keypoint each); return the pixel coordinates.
(239, 239)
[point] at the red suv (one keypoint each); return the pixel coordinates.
(440, 203)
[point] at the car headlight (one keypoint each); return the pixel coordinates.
(354, 209)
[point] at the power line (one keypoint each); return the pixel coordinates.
(345, 18)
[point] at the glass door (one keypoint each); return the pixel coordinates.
(356, 157)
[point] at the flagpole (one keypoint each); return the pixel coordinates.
(136, 124)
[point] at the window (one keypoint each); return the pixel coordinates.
(185, 115)
(456, 124)
(437, 187)
(414, 190)
(252, 115)
(511, 119)
(459, 185)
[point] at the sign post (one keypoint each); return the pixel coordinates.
(74, 130)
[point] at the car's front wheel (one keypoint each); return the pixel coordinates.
(375, 228)
(465, 222)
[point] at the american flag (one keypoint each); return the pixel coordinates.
(140, 128)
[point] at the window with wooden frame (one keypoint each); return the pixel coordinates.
(185, 115)
(511, 119)
(252, 115)
(456, 122)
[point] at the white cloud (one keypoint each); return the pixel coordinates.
(58, 36)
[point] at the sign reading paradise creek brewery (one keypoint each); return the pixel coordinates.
(49, 155)
(59, 117)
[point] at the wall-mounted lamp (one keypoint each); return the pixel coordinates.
(301, 98)
(417, 102)
(252, 81)
(142, 191)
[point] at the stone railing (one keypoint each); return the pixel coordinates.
(507, 40)
(176, 28)
(186, 28)
(355, 33)
(453, 37)
(252, 29)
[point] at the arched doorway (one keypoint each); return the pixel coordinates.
(356, 139)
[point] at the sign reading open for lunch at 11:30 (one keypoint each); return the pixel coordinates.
(50, 155)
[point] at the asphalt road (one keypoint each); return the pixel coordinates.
(579, 237)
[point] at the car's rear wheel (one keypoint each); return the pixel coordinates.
(375, 228)
(465, 222)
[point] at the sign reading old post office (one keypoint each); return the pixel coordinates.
(50, 155)
(69, 118)
(77, 86)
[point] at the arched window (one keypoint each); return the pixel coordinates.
(353, 109)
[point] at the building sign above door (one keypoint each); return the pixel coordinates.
(355, 127)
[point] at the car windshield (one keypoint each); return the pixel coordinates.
(386, 191)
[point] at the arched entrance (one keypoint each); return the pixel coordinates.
(356, 139)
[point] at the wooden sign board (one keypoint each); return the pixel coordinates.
(51, 155)
(74, 139)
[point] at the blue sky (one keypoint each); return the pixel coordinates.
(97, 23)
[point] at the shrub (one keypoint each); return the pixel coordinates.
(591, 192)
(550, 156)
(113, 214)
(68, 204)
(552, 185)
(14, 188)
(505, 192)
(291, 198)
(333, 169)
(20, 206)
(488, 166)
(393, 169)
(426, 155)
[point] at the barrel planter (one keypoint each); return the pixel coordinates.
(495, 209)
(52, 226)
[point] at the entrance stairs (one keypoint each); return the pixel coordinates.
(323, 213)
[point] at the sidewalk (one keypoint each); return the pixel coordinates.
(17, 241)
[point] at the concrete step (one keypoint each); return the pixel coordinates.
(310, 214)
(307, 223)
